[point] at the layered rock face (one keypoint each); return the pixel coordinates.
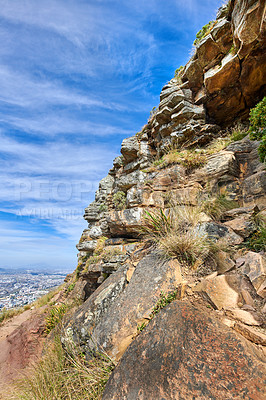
(121, 277)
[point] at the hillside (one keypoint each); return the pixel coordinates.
(171, 277)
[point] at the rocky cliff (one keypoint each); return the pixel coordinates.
(209, 342)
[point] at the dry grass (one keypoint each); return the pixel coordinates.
(177, 231)
(64, 374)
(216, 206)
(6, 314)
(190, 159)
(177, 235)
(218, 144)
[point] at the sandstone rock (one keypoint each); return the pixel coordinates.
(118, 161)
(194, 74)
(226, 104)
(207, 51)
(147, 198)
(220, 77)
(130, 148)
(222, 163)
(95, 232)
(237, 212)
(201, 96)
(221, 29)
(172, 99)
(126, 181)
(255, 269)
(169, 177)
(187, 195)
(115, 331)
(163, 115)
(243, 226)
(125, 223)
(244, 316)
(217, 231)
(87, 246)
(224, 262)
(223, 290)
(207, 361)
(247, 21)
(92, 212)
(187, 112)
(80, 325)
(167, 90)
(254, 189)
(250, 333)
(253, 77)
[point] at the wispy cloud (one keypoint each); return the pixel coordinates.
(76, 77)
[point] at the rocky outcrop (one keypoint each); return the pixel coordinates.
(186, 353)
(184, 156)
(109, 319)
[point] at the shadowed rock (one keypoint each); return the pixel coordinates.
(185, 354)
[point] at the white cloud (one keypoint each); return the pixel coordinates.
(24, 248)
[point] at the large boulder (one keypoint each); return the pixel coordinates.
(110, 321)
(255, 268)
(185, 353)
(130, 148)
(247, 21)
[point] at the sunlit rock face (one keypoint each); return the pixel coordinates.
(179, 158)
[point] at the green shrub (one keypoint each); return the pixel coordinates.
(257, 241)
(119, 200)
(204, 31)
(103, 207)
(55, 315)
(163, 301)
(71, 287)
(257, 128)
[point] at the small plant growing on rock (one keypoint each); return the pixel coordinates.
(177, 233)
(190, 159)
(163, 301)
(257, 128)
(257, 241)
(153, 112)
(71, 287)
(178, 73)
(238, 133)
(119, 200)
(103, 208)
(141, 327)
(54, 317)
(100, 246)
(90, 261)
(216, 206)
(204, 31)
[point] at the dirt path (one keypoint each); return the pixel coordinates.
(21, 343)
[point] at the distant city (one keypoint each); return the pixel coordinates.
(20, 288)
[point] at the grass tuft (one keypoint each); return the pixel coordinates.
(216, 206)
(65, 374)
(177, 235)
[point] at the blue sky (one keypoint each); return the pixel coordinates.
(76, 77)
